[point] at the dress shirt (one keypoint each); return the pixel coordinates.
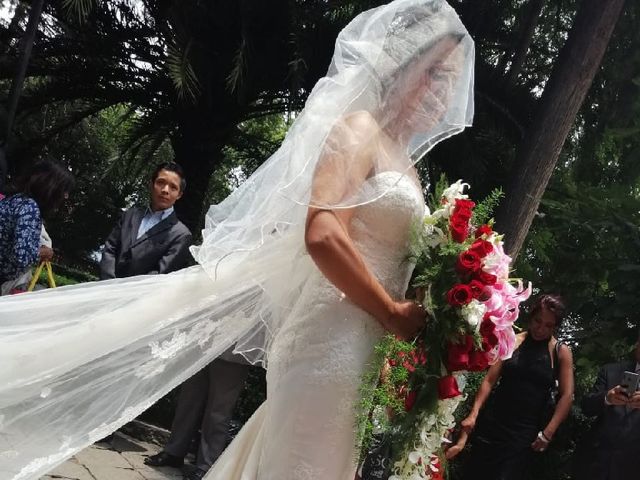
(151, 219)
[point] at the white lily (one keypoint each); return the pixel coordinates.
(455, 191)
(414, 457)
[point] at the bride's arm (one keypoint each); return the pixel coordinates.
(337, 258)
(327, 237)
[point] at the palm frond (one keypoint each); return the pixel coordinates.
(181, 71)
(80, 9)
(237, 76)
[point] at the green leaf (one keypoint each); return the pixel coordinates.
(78, 8)
(180, 70)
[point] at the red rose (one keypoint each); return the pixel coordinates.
(482, 248)
(489, 342)
(464, 203)
(448, 387)
(410, 400)
(468, 263)
(459, 295)
(459, 229)
(487, 326)
(486, 278)
(489, 337)
(458, 354)
(462, 214)
(483, 230)
(478, 290)
(478, 361)
(458, 360)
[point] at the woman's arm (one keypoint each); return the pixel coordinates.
(345, 163)
(490, 379)
(338, 259)
(565, 391)
(457, 447)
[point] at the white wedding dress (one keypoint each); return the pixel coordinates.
(305, 430)
(78, 362)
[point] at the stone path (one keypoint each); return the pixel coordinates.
(120, 459)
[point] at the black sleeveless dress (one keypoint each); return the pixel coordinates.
(513, 415)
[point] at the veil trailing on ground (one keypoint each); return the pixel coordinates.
(78, 362)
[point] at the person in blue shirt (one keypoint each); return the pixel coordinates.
(38, 194)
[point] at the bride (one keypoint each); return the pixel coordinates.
(303, 267)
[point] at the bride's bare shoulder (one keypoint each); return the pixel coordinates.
(355, 129)
(362, 121)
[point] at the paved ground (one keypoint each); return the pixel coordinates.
(120, 459)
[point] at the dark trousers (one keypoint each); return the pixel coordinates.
(206, 401)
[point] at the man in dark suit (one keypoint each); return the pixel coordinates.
(612, 448)
(150, 240)
(206, 403)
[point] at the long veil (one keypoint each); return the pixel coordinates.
(78, 362)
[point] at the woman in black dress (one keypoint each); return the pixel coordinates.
(520, 419)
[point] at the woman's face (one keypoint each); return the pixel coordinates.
(543, 324)
(428, 89)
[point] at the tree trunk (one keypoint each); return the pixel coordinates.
(198, 149)
(26, 44)
(568, 84)
(530, 21)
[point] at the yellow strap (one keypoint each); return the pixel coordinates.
(52, 280)
(36, 276)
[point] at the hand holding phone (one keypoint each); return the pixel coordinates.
(629, 383)
(616, 396)
(634, 400)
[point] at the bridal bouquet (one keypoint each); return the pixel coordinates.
(462, 279)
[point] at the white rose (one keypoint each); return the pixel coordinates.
(473, 313)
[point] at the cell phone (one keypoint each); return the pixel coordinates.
(630, 382)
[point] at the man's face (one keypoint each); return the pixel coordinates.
(165, 190)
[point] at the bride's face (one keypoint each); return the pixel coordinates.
(424, 93)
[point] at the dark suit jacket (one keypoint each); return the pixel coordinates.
(162, 249)
(612, 448)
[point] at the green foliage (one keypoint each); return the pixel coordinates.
(105, 184)
(61, 280)
(484, 210)
(80, 9)
(435, 196)
(190, 73)
(181, 71)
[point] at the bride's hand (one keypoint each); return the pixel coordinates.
(406, 320)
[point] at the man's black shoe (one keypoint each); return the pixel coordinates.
(164, 459)
(196, 474)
